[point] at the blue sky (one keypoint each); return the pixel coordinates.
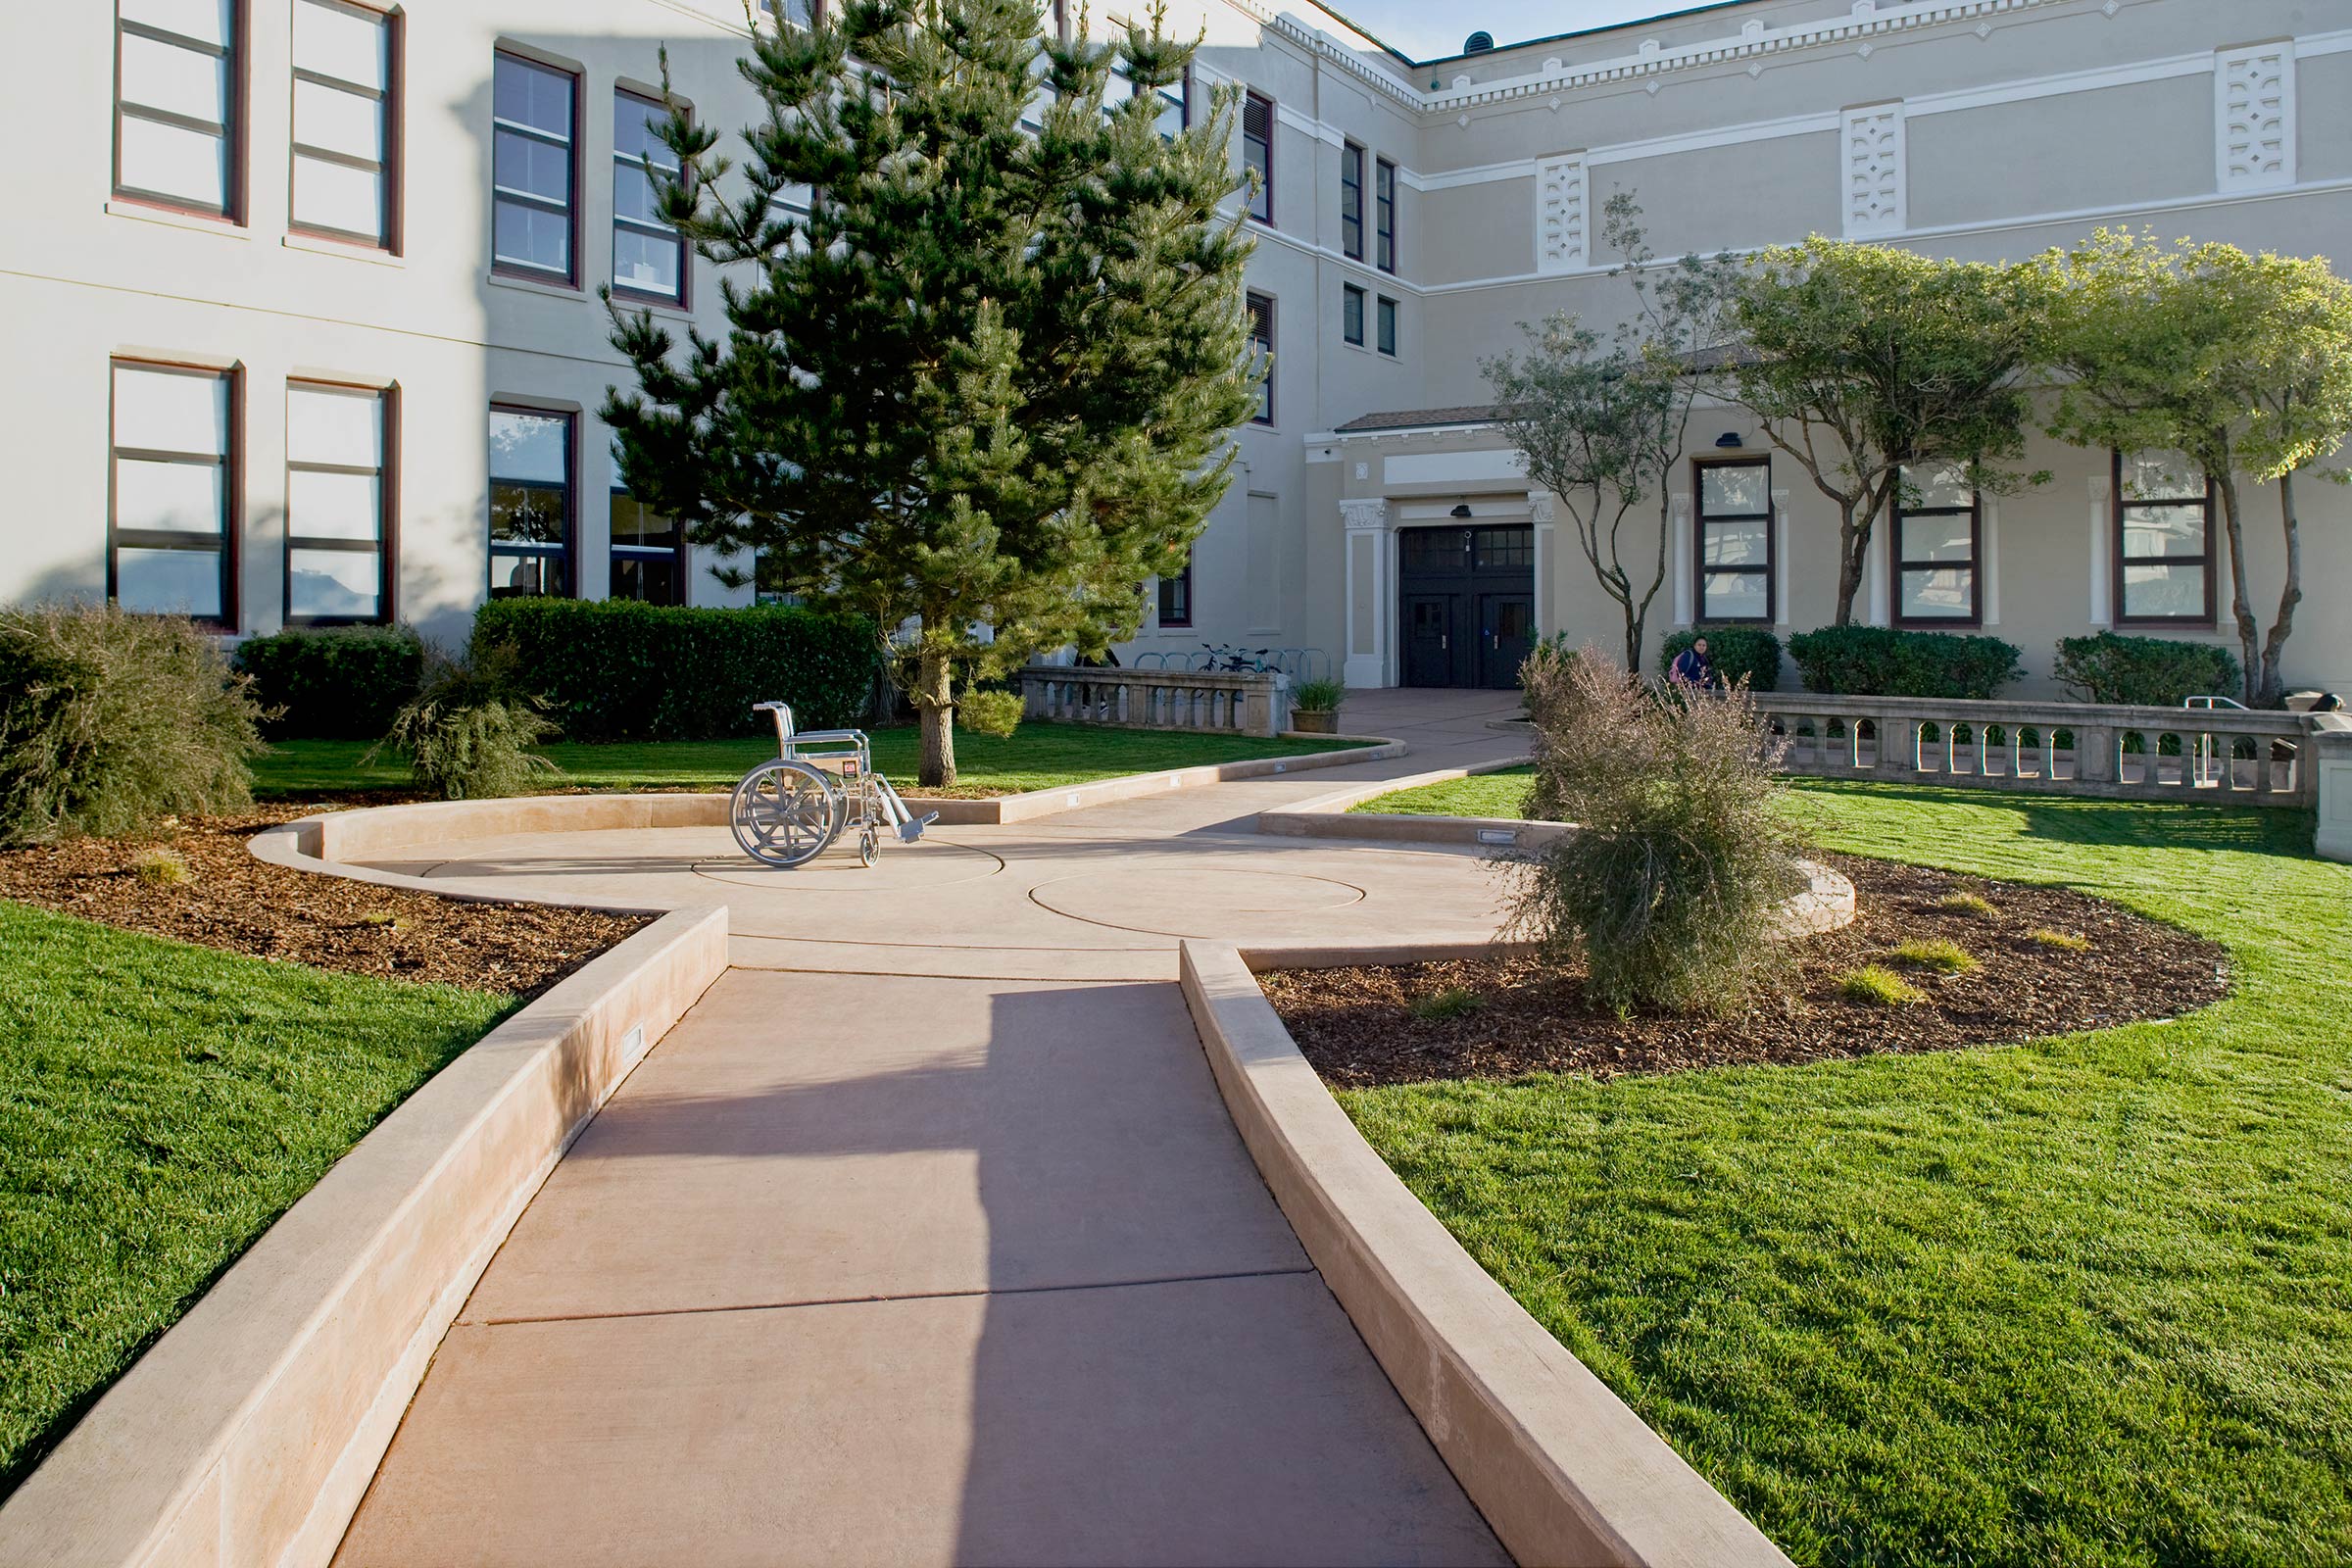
(1426, 32)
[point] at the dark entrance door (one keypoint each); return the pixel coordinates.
(1468, 603)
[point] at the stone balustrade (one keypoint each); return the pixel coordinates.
(1234, 702)
(2248, 757)
(2331, 743)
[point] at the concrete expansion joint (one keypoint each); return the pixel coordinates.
(879, 1298)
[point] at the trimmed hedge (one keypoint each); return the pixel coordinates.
(1737, 651)
(342, 684)
(2148, 672)
(1883, 661)
(619, 670)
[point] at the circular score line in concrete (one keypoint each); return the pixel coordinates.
(1203, 900)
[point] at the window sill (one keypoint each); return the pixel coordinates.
(532, 286)
(145, 213)
(348, 250)
(623, 299)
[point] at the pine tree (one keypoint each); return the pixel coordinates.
(978, 379)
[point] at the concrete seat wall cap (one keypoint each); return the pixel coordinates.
(246, 1428)
(1561, 1468)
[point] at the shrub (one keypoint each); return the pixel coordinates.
(1318, 696)
(342, 683)
(1875, 986)
(1453, 1001)
(110, 721)
(1944, 958)
(1748, 653)
(469, 734)
(1670, 886)
(1881, 661)
(997, 713)
(622, 670)
(2146, 671)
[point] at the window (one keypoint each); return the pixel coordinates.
(338, 505)
(649, 552)
(800, 13)
(649, 256)
(1261, 337)
(1257, 153)
(177, 81)
(1352, 202)
(1175, 110)
(1734, 540)
(535, 110)
(530, 504)
(2164, 555)
(343, 113)
(1176, 597)
(1384, 213)
(174, 483)
(1938, 538)
(1351, 313)
(1387, 327)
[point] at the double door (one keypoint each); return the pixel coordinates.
(1468, 605)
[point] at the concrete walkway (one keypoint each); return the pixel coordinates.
(925, 1236)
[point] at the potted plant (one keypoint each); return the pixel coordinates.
(1315, 707)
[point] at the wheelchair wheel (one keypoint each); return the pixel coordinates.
(869, 845)
(784, 813)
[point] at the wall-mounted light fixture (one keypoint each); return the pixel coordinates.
(1462, 511)
(1729, 438)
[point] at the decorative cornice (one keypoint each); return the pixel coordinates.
(1365, 512)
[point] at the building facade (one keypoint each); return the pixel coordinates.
(307, 327)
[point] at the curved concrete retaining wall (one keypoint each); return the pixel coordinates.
(247, 1435)
(1563, 1471)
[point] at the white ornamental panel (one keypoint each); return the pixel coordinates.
(1560, 214)
(2254, 117)
(1873, 149)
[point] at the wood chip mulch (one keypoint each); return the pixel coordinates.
(1357, 1027)
(231, 901)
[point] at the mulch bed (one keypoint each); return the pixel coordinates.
(235, 902)
(1358, 1028)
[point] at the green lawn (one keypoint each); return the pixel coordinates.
(160, 1105)
(1039, 756)
(1480, 795)
(2086, 1300)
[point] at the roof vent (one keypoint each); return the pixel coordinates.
(1478, 43)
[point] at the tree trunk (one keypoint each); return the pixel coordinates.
(2241, 602)
(2274, 647)
(934, 703)
(1853, 551)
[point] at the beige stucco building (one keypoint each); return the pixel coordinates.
(306, 325)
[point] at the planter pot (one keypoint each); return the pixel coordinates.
(1326, 722)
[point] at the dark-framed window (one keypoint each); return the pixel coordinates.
(1257, 152)
(1385, 327)
(179, 91)
(1261, 337)
(340, 442)
(649, 256)
(800, 13)
(1938, 553)
(1351, 313)
(2164, 551)
(534, 170)
(1384, 215)
(1176, 597)
(172, 490)
(534, 521)
(346, 118)
(1734, 523)
(1351, 201)
(649, 552)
